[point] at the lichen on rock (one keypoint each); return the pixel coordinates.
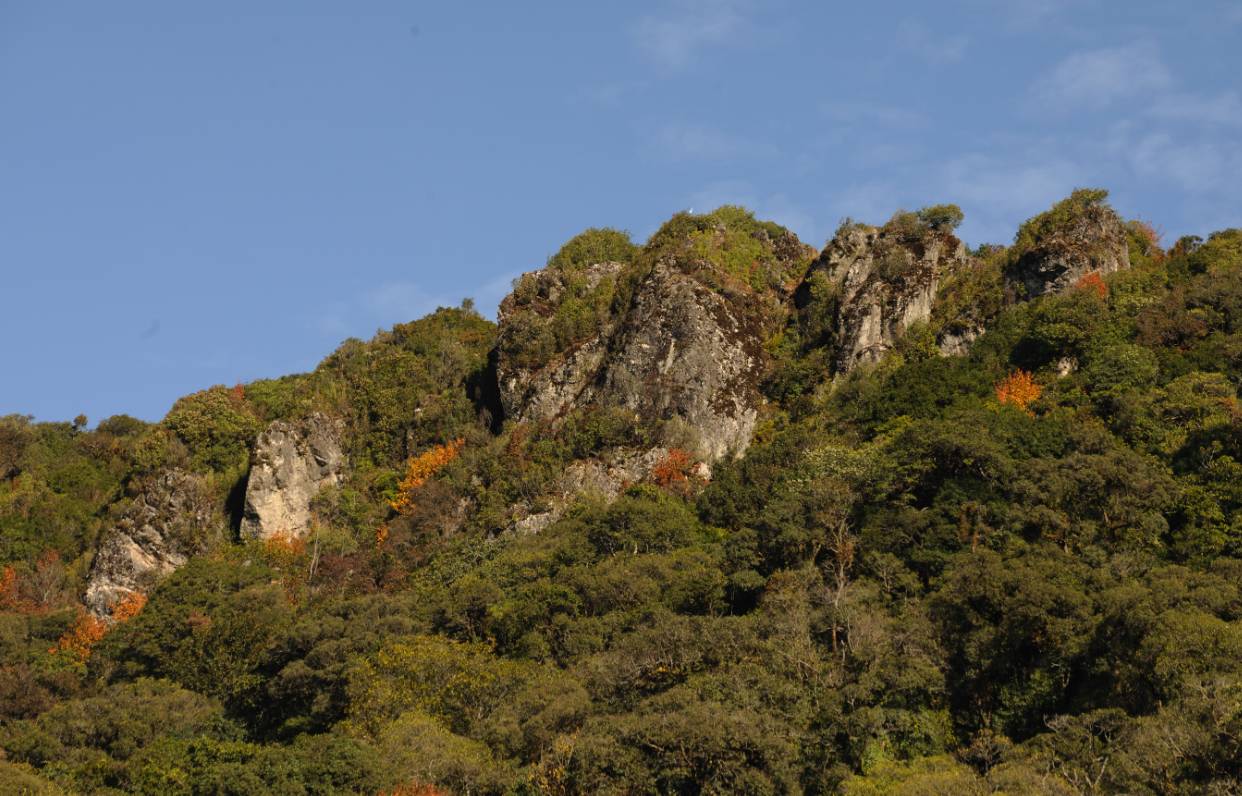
(545, 359)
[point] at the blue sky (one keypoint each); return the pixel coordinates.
(207, 193)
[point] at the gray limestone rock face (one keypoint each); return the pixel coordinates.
(676, 336)
(956, 344)
(163, 526)
(685, 352)
(603, 478)
(681, 352)
(883, 286)
(1093, 241)
(545, 388)
(290, 464)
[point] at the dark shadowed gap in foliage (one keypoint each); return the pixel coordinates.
(483, 389)
(235, 505)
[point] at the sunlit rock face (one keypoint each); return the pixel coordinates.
(881, 283)
(292, 461)
(682, 346)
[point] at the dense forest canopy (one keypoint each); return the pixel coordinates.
(995, 547)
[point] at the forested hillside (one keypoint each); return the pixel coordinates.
(714, 513)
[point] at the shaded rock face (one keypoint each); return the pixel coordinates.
(290, 464)
(536, 391)
(1094, 241)
(164, 525)
(883, 285)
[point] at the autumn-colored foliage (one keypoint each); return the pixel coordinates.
(79, 641)
(1150, 237)
(381, 534)
(11, 598)
(421, 468)
(1018, 389)
(239, 393)
(130, 606)
(35, 591)
(1094, 283)
(674, 471)
(284, 546)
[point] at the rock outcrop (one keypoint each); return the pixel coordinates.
(603, 478)
(882, 281)
(687, 352)
(291, 462)
(538, 385)
(683, 350)
(164, 525)
(1079, 236)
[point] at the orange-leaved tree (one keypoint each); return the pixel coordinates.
(79, 641)
(1018, 389)
(1093, 282)
(419, 469)
(36, 590)
(674, 471)
(11, 596)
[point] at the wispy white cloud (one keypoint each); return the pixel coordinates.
(871, 201)
(612, 95)
(686, 141)
(1097, 78)
(398, 302)
(487, 296)
(863, 113)
(1031, 13)
(1223, 109)
(998, 190)
(918, 40)
(677, 36)
(1194, 165)
(375, 308)
(1009, 183)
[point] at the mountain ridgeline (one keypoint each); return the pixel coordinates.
(717, 513)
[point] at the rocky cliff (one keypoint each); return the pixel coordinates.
(540, 376)
(163, 526)
(291, 462)
(679, 338)
(1078, 236)
(882, 280)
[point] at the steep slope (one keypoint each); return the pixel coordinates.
(164, 525)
